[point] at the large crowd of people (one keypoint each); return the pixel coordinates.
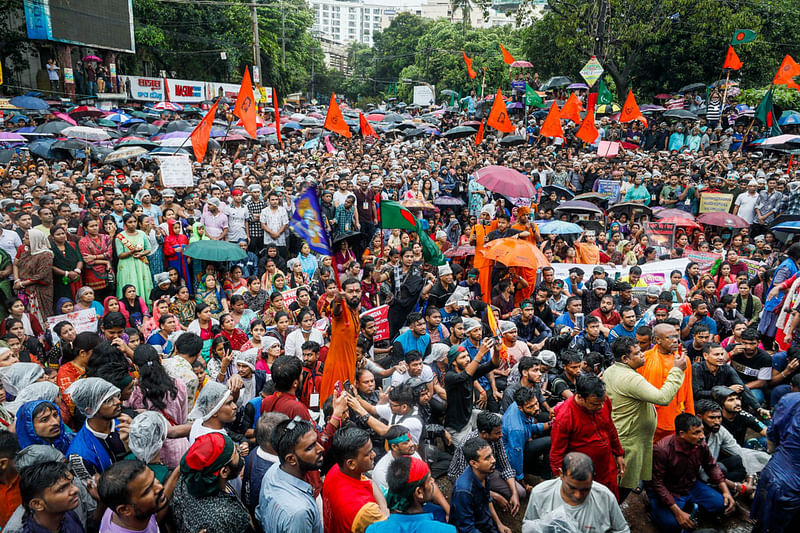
(147, 390)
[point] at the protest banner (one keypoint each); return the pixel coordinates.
(661, 235)
(607, 149)
(703, 259)
(658, 270)
(176, 171)
(381, 316)
(654, 278)
(83, 320)
(290, 296)
(608, 189)
(711, 202)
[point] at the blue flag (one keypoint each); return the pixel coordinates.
(307, 222)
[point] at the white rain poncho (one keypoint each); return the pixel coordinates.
(35, 454)
(211, 399)
(19, 375)
(438, 351)
(248, 358)
(147, 435)
(41, 390)
(89, 394)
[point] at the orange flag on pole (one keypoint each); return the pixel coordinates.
(732, 60)
(469, 61)
(498, 118)
(334, 121)
(630, 111)
(201, 132)
(246, 108)
(552, 124)
(479, 136)
(277, 117)
(588, 132)
(366, 128)
(507, 57)
(786, 73)
(572, 109)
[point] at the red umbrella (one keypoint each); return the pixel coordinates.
(505, 181)
(723, 219)
(522, 64)
(681, 222)
(461, 251)
(377, 117)
(86, 111)
(668, 213)
(663, 96)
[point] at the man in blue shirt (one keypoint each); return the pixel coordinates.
(626, 327)
(411, 486)
(524, 439)
(287, 502)
(699, 315)
(416, 338)
(471, 508)
(574, 306)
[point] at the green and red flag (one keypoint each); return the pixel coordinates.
(604, 96)
(532, 98)
(766, 115)
(395, 216)
(742, 37)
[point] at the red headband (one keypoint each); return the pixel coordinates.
(419, 469)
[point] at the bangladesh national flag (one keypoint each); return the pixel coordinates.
(532, 98)
(604, 96)
(766, 115)
(742, 37)
(395, 216)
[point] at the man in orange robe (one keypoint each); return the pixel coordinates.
(340, 364)
(483, 228)
(658, 361)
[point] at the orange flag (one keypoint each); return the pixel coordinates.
(552, 124)
(507, 57)
(630, 111)
(246, 108)
(479, 136)
(335, 121)
(366, 128)
(588, 132)
(786, 73)
(498, 118)
(469, 61)
(732, 60)
(201, 132)
(572, 109)
(277, 116)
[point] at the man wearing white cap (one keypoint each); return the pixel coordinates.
(745, 205)
(213, 410)
(443, 288)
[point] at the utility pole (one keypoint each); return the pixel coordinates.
(256, 43)
(283, 36)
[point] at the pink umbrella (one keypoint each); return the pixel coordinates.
(65, 118)
(723, 219)
(505, 181)
(168, 106)
(86, 111)
(670, 213)
(522, 64)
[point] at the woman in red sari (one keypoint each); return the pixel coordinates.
(235, 336)
(174, 245)
(95, 249)
(33, 272)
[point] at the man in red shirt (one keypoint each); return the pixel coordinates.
(285, 373)
(350, 501)
(311, 376)
(583, 424)
(609, 317)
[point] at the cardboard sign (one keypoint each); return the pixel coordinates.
(69, 75)
(290, 296)
(661, 235)
(704, 259)
(591, 71)
(609, 189)
(381, 316)
(176, 171)
(84, 320)
(607, 148)
(711, 202)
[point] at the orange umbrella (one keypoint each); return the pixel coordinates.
(515, 253)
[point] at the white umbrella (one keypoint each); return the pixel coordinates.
(125, 153)
(85, 133)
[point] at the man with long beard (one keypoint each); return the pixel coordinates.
(341, 362)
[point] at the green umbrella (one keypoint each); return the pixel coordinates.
(215, 251)
(106, 123)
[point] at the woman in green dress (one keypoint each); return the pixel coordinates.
(133, 247)
(210, 294)
(6, 268)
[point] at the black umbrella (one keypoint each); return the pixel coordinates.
(593, 225)
(680, 114)
(69, 144)
(144, 129)
(459, 132)
(560, 191)
(54, 126)
(555, 82)
(413, 132)
(512, 140)
(179, 125)
(351, 237)
(692, 87)
(629, 208)
(6, 155)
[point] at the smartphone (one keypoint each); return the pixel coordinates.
(347, 387)
(579, 320)
(337, 388)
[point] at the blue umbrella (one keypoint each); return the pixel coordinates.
(44, 148)
(118, 117)
(132, 121)
(29, 102)
(559, 227)
(788, 227)
(789, 120)
(291, 126)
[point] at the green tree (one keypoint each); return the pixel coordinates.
(13, 38)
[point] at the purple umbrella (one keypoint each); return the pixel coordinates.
(579, 206)
(505, 181)
(8, 136)
(514, 105)
(176, 135)
(448, 201)
(578, 86)
(216, 132)
(266, 131)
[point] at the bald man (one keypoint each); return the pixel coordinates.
(658, 361)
